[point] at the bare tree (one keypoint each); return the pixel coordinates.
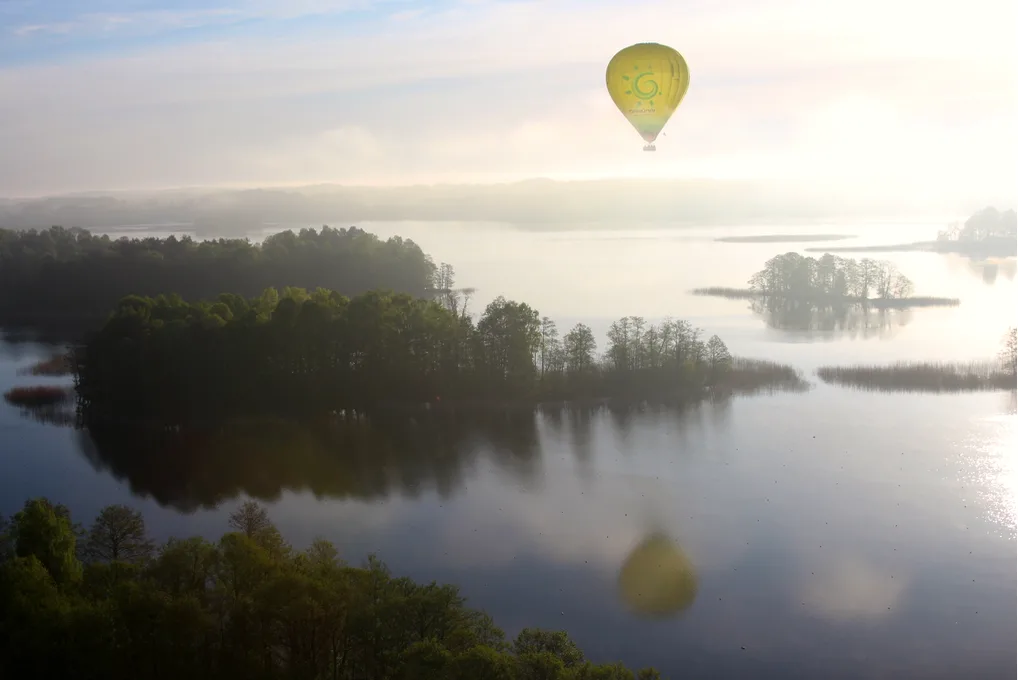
(118, 535)
(250, 519)
(1009, 354)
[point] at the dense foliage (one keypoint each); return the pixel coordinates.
(307, 351)
(830, 277)
(71, 278)
(104, 603)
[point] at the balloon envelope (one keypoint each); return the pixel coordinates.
(647, 81)
(657, 579)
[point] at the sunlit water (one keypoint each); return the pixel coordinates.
(835, 533)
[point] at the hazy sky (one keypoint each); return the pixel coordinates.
(110, 94)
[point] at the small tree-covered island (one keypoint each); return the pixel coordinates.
(312, 351)
(106, 603)
(830, 280)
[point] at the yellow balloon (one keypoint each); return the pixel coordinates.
(647, 81)
(657, 580)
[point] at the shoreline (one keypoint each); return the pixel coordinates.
(974, 250)
(785, 238)
(790, 380)
(830, 301)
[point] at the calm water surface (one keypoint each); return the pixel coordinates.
(835, 533)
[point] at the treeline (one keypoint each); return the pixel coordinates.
(984, 225)
(795, 276)
(167, 358)
(70, 278)
(106, 603)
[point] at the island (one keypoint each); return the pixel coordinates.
(300, 351)
(988, 233)
(106, 602)
(76, 277)
(830, 280)
(783, 238)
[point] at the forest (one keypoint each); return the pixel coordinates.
(104, 602)
(309, 351)
(69, 279)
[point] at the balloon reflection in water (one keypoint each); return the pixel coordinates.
(657, 580)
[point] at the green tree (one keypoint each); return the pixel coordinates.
(719, 359)
(6, 540)
(482, 662)
(44, 531)
(554, 642)
(579, 347)
(238, 609)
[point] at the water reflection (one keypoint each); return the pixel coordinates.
(988, 270)
(60, 415)
(189, 468)
(657, 580)
(851, 321)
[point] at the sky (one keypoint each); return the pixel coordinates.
(147, 94)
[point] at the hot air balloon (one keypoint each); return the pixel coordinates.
(657, 580)
(647, 81)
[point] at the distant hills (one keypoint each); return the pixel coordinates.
(532, 204)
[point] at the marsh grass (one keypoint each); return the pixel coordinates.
(754, 375)
(921, 377)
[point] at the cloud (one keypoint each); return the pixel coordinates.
(849, 589)
(126, 20)
(495, 90)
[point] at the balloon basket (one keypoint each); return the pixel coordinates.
(650, 147)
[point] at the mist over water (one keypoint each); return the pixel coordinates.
(834, 533)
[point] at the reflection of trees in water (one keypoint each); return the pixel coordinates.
(202, 467)
(677, 419)
(852, 320)
(986, 269)
(1010, 405)
(512, 439)
(50, 414)
(191, 468)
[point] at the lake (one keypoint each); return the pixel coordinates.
(835, 533)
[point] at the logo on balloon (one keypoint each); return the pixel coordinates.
(642, 90)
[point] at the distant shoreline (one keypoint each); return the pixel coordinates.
(784, 238)
(877, 303)
(968, 249)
